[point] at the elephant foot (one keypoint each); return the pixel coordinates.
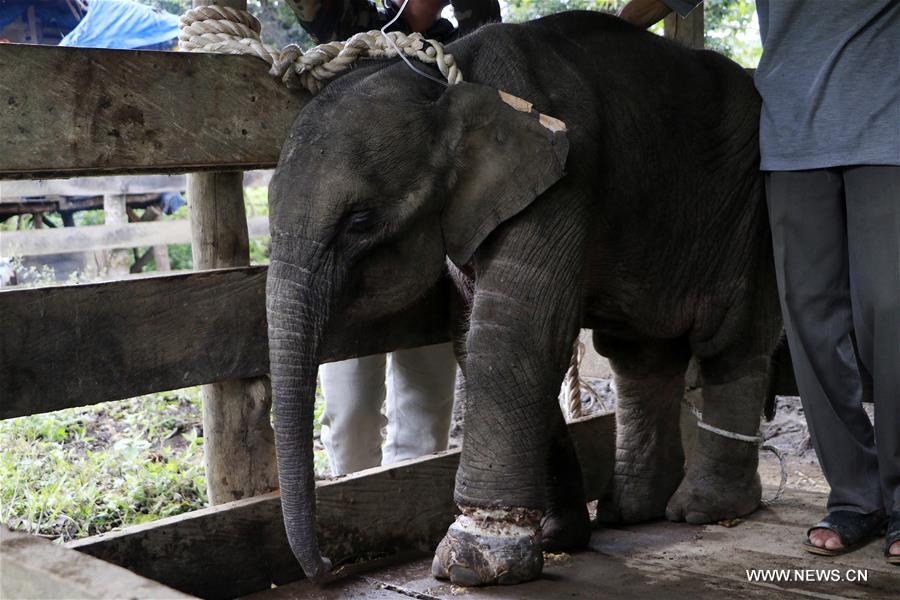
(634, 498)
(708, 498)
(566, 528)
(490, 547)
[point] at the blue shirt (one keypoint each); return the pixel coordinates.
(829, 79)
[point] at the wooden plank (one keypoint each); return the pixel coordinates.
(104, 237)
(76, 345)
(585, 575)
(11, 191)
(756, 543)
(591, 437)
(242, 546)
(115, 340)
(33, 567)
(676, 560)
(100, 112)
(353, 587)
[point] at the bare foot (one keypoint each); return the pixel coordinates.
(894, 549)
(826, 538)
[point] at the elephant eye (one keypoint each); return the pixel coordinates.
(361, 220)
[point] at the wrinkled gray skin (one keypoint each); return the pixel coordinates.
(655, 236)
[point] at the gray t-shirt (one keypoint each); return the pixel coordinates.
(829, 78)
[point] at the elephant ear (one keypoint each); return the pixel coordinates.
(505, 155)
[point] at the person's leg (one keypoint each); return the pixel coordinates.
(352, 419)
(420, 401)
(873, 228)
(807, 216)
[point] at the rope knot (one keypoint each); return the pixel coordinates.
(224, 30)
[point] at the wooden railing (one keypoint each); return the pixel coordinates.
(79, 111)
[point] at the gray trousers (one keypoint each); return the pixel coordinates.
(416, 388)
(836, 235)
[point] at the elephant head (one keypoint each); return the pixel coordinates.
(376, 185)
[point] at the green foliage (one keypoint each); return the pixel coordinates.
(256, 203)
(83, 471)
(730, 27)
(517, 11)
(32, 275)
(279, 24)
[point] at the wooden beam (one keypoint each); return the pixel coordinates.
(102, 237)
(241, 547)
(37, 568)
(77, 345)
(100, 112)
(11, 191)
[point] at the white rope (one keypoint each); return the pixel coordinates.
(757, 439)
(224, 30)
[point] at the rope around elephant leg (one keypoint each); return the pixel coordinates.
(224, 30)
(757, 439)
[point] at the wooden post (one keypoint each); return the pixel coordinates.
(114, 262)
(689, 32)
(238, 440)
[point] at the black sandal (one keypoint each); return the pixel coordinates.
(892, 537)
(853, 528)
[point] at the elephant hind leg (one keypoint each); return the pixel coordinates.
(722, 480)
(649, 464)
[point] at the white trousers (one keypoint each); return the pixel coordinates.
(417, 387)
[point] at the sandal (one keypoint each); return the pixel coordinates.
(853, 528)
(892, 537)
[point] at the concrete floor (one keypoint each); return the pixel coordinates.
(655, 560)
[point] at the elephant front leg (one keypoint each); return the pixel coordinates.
(517, 353)
(722, 480)
(649, 457)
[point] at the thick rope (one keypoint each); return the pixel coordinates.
(757, 439)
(572, 383)
(224, 30)
(575, 386)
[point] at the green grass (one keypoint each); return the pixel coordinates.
(83, 471)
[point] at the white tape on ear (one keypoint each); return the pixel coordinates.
(516, 102)
(522, 105)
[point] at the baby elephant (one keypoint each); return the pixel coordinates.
(644, 220)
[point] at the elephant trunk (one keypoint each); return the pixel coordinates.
(296, 306)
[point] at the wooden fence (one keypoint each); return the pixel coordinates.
(77, 112)
(89, 192)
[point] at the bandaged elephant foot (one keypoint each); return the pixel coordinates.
(490, 547)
